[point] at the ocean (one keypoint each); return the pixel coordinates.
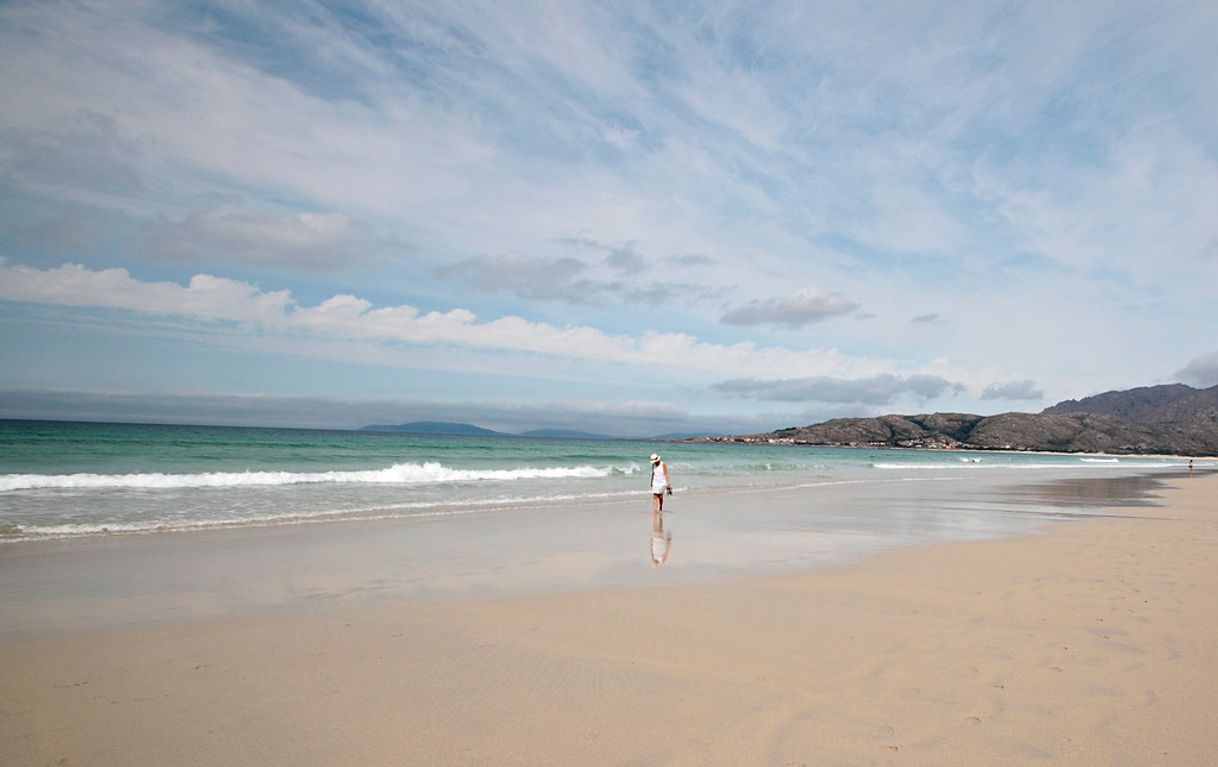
(70, 480)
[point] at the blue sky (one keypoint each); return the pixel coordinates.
(631, 218)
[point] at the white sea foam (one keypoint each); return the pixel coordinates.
(401, 473)
(402, 511)
(1100, 460)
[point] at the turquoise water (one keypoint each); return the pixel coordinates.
(60, 479)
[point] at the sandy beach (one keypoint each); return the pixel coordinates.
(1092, 642)
(347, 343)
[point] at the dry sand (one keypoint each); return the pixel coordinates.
(1092, 643)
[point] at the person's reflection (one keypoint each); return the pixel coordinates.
(661, 539)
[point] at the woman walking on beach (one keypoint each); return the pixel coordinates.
(660, 484)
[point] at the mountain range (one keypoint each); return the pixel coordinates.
(1169, 419)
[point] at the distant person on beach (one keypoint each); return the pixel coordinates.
(1190, 465)
(660, 484)
(661, 540)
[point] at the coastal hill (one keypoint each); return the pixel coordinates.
(1170, 419)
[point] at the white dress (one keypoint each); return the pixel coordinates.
(659, 483)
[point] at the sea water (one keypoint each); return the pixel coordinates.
(65, 479)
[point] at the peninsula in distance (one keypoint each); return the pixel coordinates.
(1172, 419)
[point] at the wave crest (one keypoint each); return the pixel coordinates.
(399, 473)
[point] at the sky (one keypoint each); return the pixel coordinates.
(628, 218)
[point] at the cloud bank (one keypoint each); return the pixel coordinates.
(876, 390)
(802, 308)
(1015, 173)
(344, 316)
(1013, 390)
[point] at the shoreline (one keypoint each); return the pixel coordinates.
(14, 535)
(1079, 643)
(722, 535)
(1213, 458)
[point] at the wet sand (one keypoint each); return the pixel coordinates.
(1089, 642)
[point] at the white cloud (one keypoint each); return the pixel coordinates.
(205, 296)
(351, 317)
(906, 158)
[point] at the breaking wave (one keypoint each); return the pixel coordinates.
(400, 473)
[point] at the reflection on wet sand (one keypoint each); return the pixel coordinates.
(1088, 492)
(661, 539)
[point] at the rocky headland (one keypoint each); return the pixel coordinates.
(1171, 419)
